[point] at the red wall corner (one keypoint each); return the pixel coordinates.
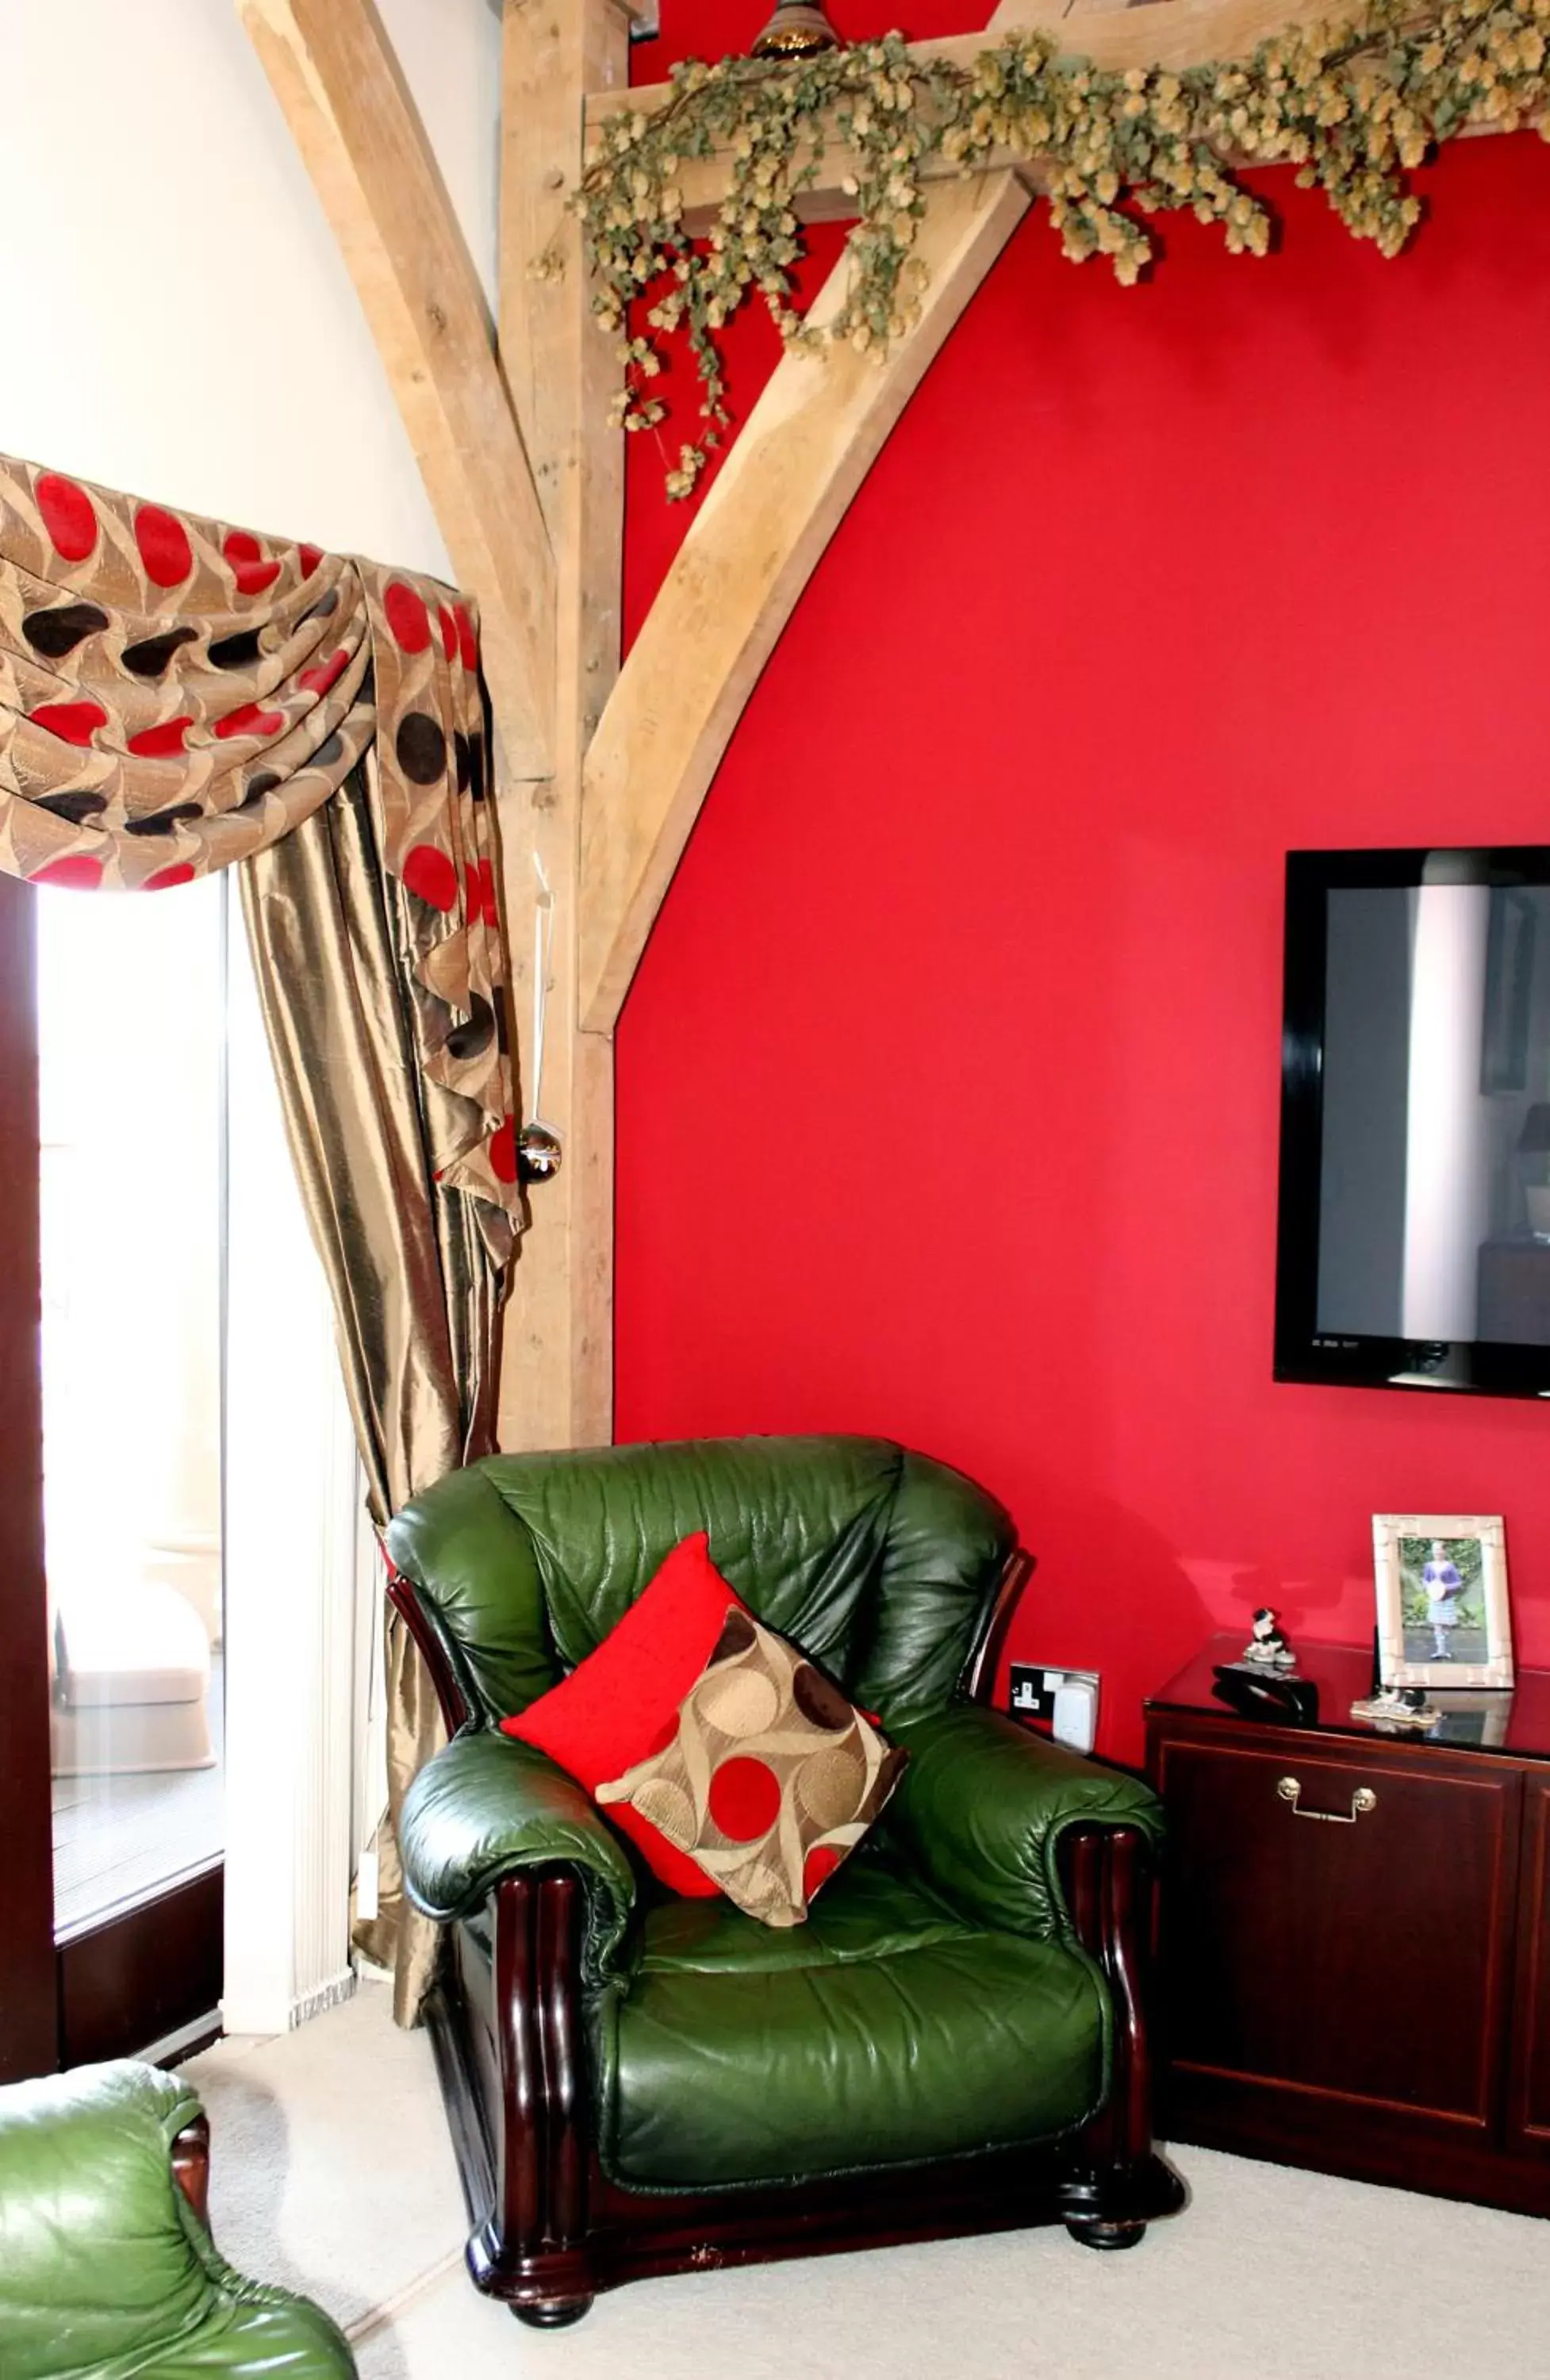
(948, 1088)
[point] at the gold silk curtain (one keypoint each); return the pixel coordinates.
(176, 695)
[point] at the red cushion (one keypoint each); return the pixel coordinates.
(621, 1703)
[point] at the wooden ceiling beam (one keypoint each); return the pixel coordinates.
(1172, 33)
(800, 457)
(353, 118)
(1045, 15)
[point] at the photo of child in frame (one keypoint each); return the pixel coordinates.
(1442, 1599)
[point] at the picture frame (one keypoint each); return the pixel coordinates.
(1442, 1602)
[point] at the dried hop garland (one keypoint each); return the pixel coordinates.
(1351, 104)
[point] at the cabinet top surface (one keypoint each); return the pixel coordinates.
(1516, 1723)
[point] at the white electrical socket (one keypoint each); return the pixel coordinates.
(1067, 1698)
(1076, 1709)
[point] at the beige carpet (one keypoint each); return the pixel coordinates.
(331, 2172)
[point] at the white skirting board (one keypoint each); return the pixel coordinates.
(323, 1996)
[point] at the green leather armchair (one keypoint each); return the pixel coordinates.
(107, 2269)
(638, 2083)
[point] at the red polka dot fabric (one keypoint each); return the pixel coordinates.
(770, 1778)
(176, 693)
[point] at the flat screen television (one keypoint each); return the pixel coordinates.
(1414, 1228)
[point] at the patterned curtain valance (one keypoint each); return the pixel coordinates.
(176, 695)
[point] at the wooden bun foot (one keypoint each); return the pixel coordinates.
(552, 2314)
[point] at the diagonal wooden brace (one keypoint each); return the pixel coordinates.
(804, 450)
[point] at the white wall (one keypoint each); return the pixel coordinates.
(178, 319)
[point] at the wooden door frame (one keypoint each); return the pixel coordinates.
(29, 1992)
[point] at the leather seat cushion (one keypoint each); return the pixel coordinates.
(885, 2030)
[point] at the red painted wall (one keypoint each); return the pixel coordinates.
(948, 1088)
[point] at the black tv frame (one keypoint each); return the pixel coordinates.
(1482, 1367)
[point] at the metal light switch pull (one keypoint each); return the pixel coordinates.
(1362, 1801)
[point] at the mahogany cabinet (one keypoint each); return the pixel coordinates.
(1527, 2121)
(1354, 1935)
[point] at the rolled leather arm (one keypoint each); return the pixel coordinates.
(103, 2267)
(93, 2258)
(486, 1807)
(982, 1807)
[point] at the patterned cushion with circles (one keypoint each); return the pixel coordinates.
(772, 1779)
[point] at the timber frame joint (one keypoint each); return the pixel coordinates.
(525, 477)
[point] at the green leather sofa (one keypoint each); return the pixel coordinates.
(107, 2270)
(954, 2040)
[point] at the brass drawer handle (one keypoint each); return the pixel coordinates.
(1362, 1801)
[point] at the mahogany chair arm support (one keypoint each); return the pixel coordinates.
(534, 2245)
(190, 2165)
(980, 1676)
(405, 1601)
(1106, 1874)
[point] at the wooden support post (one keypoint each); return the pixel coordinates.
(352, 117)
(556, 1381)
(798, 460)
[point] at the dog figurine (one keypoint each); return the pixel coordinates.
(1267, 1646)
